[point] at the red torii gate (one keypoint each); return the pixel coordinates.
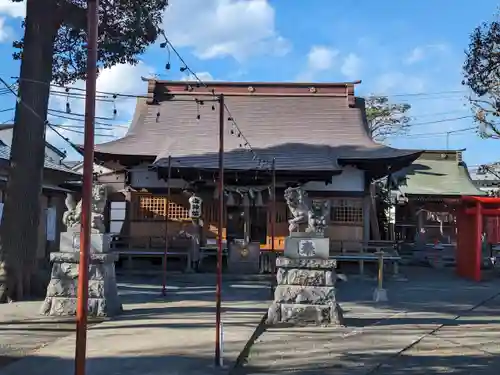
(471, 217)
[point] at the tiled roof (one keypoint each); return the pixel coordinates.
(302, 132)
(47, 144)
(5, 155)
(446, 177)
(72, 163)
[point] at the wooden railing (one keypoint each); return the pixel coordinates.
(154, 246)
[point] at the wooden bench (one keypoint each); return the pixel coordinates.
(361, 253)
(361, 258)
(153, 247)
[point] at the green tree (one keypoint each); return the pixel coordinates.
(386, 118)
(482, 75)
(53, 50)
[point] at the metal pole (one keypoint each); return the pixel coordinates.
(167, 212)
(273, 205)
(380, 277)
(218, 290)
(88, 170)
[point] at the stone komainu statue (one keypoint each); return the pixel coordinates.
(72, 217)
(305, 210)
(296, 200)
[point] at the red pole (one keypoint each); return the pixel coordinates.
(273, 205)
(218, 290)
(167, 209)
(88, 171)
(479, 243)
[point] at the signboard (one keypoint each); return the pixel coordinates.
(51, 223)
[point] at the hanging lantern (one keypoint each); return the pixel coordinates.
(195, 206)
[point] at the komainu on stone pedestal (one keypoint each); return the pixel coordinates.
(305, 275)
(103, 299)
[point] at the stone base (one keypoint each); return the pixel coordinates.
(314, 295)
(296, 276)
(66, 306)
(306, 245)
(304, 314)
(70, 242)
(380, 295)
(305, 293)
(61, 294)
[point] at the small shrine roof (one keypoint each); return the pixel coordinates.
(439, 173)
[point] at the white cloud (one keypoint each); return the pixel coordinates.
(420, 53)
(351, 66)
(321, 58)
(203, 76)
(397, 82)
(221, 28)
(119, 79)
(9, 8)
(5, 31)
(417, 54)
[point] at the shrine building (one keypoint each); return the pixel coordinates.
(316, 134)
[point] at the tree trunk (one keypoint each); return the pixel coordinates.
(21, 214)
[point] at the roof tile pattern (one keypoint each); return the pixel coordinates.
(301, 132)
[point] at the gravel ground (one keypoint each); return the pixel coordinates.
(23, 331)
(432, 324)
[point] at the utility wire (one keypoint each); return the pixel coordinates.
(45, 122)
(235, 129)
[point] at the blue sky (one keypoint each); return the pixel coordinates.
(396, 48)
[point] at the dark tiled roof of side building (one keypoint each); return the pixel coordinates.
(5, 155)
(47, 144)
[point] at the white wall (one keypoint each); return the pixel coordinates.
(141, 177)
(351, 179)
(97, 169)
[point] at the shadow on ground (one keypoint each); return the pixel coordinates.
(133, 363)
(184, 307)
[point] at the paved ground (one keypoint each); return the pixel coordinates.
(433, 324)
(156, 335)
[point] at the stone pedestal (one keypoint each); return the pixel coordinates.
(99, 242)
(305, 291)
(103, 299)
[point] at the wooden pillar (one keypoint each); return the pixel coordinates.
(366, 217)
